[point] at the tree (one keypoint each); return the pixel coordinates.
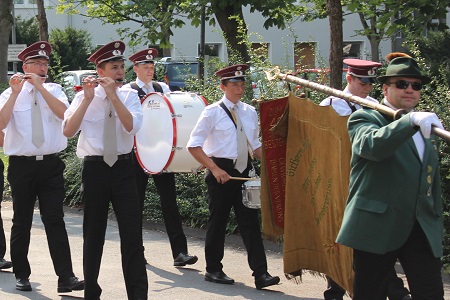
(382, 19)
(334, 10)
(168, 14)
(73, 46)
(27, 32)
(6, 24)
(42, 20)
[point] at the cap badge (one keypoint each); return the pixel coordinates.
(42, 52)
(238, 73)
(116, 52)
(42, 46)
(372, 71)
(149, 56)
(116, 45)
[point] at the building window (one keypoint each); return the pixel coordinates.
(261, 50)
(352, 49)
(305, 55)
(25, 2)
(211, 49)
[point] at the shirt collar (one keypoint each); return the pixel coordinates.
(386, 102)
(28, 86)
(100, 92)
(230, 104)
(140, 83)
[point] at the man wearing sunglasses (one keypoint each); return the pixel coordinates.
(394, 207)
(361, 75)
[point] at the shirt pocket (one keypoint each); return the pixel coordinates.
(95, 121)
(224, 130)
(22, 113)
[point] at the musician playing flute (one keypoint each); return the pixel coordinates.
(360, 77)
(31, 113)
(144, 67)
(394, 206)
(215, 143)
(108, 116)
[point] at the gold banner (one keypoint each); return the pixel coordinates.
(317, 177)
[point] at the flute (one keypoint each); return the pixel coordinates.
(26, 77)
(90, 79)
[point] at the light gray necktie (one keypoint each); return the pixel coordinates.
(147, 88)
(241, 161)
(109, 136)
(37, 127)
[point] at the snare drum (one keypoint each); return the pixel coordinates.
(160, 144)
(251, 194)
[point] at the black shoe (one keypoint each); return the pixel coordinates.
(218, 277)
(71, 284)
(23, 285)
(4, 264)
(266, 280)
(184, 259)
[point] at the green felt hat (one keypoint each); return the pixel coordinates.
(404, 67)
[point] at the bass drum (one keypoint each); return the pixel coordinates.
(160, 144)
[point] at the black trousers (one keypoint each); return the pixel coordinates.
(2, 232)
(422, 270)
(221, 198)
(116, 185)
(165, 186)
(396, 289)
(42, 179)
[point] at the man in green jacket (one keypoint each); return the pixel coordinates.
(394, 207)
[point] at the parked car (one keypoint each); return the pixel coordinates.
(71, 81)
(175, 72)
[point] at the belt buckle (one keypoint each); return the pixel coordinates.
(39, 157)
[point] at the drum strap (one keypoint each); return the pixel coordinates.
(228, 112)
(141, 93)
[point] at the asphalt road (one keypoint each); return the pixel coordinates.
(165, 280)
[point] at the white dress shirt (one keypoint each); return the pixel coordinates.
(90, 141)
(18, 131)
(417, 137)
(341, 106)
(216, 133)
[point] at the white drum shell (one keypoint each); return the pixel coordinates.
(251, 194)
(168, 120)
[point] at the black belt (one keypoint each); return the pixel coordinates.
(37, 157)
(100, 157)
(224, 163)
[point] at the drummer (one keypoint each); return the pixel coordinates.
(144, 67)
(214, 144)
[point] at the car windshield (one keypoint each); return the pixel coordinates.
(180, 72)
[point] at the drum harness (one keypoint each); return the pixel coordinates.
(156, 86)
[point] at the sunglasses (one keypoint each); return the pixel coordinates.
(403, 85)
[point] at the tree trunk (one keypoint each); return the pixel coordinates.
(334, 10)
(6, 24)
(42, 20)
(375, 48)
(230, 27)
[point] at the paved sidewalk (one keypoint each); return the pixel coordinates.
(165, 280)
